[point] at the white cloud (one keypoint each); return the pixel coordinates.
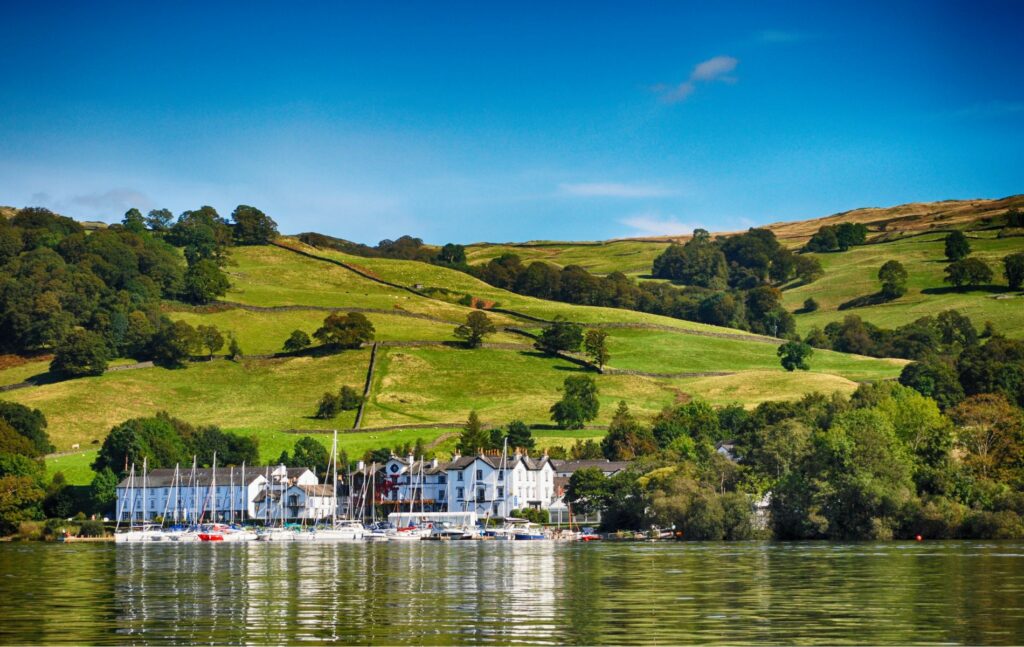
(614, 190)
(718, 68)
(654, 224)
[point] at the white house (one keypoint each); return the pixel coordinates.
(184, 495)
(486, 484)
(301, 502)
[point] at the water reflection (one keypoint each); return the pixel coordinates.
(529, 592)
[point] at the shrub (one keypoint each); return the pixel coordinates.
(810, 305)
(531, 514)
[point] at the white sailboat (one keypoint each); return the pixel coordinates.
(340, 529)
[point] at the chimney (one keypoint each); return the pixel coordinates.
(410, 459)
(360, 466)
(433, 463)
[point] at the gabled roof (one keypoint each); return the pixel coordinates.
(164, 477)
(601, 464)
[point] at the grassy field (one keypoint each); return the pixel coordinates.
(265, 331)
(631, 257)
(751, 388)
(664, 352)
(854, 273)
(254, 394)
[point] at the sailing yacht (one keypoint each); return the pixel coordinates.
(340, 529)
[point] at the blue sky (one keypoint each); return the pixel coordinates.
(488, 121)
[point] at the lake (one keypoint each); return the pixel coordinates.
(514, 592)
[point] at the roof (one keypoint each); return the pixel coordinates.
(164, 477)
(318, 490)
(601, 464)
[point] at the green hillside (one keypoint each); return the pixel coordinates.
(277, 290)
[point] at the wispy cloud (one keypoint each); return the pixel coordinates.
(719, 68)
(115, 201)
(773, 36)
(655, 224)
(990, 110)
(614, 190)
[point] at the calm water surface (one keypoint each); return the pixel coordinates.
(527, 592)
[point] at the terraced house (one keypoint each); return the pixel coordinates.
(488, 484)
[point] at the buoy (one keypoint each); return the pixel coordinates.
(919, 538)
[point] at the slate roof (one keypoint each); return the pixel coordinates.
(164, 477)
(601, 464)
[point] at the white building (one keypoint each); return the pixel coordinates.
(186, 496)
(301, 502)
(486, 484)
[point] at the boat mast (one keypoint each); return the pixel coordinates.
(334, 481)
(245, 496)
(231, 511)
(373, 493)
(144, 509)
(195, 491)
(213, 488)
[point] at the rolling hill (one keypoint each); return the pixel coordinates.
(422, 378)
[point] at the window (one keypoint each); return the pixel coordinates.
(501, 492)
(442, 479)
(460, 479)
(479, 475)
(458, 493)
(481, 494)
(501, 475)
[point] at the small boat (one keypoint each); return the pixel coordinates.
(588, 534)
(342, 530)
(523, 530)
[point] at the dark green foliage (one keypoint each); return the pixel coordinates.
(810, 305)
(345, 330)
(210, 338)
(29, 423)
(1013, 270)
(560, 336)
(473, 438)
(21, 499)
(595, 344)
(103, 490)
(80, 353)
(204, 282)
(203, 234)
(1014, 218)
(91, 528)
(893, 276)
(957, 246)
(969, 271)
(765, 313)
(995, 367)
(579, 403)
(934, 379)
(349, 399)
(159, 220)
(328, 407)
(583, 450)
(477, 326)
(252, 226)
(174, 343)
(627, 438)
(688, 427)
(297, 341)
(133, 221)
(519, 435)
(849, 234)
(234, 349)
(699, 262)
(825, 240)
(532, 514)
(11, 442)
(310, 452)
(794, 355)
(452, 254)
(808, 269)
(587, 490)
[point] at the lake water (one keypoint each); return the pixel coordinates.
(525, 592)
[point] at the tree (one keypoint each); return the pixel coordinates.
(596, 347)
(1013, 270)
(825, 240)
(686, 426)
(849, 234)
(80, 353)
(473, 437)
(699, 262)
(579, 403)
(21, 499)
(893, 276)
(477, 325)
(345, 330)
(808, 268)
(174, 343)
(969, 271)
(957, 246)
(627, 438)
(934, 379)
(159, 220)
(30, 423)
(154, 439)
(133, 221)
(519, 435)
(103, 490)
(252, 226)
(11, 442)
(329, 406)
(234, 349)
(204, 282)
(210, 338)
(560, 336)
(794, 355)
(587, 490)
(310, 452)
(1014, 217)
(296, 342)
(991, 431)
(452, 254)
(349, 399)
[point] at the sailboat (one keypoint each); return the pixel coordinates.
(340, 529)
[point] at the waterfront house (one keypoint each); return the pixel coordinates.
(296, 502)
(185, 495)
(559, 510)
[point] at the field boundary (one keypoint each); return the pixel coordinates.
(366, 387)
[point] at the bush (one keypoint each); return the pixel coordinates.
(329, 407)
(810, 305)
(532, 514)
(92, 528)
(349, 399)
